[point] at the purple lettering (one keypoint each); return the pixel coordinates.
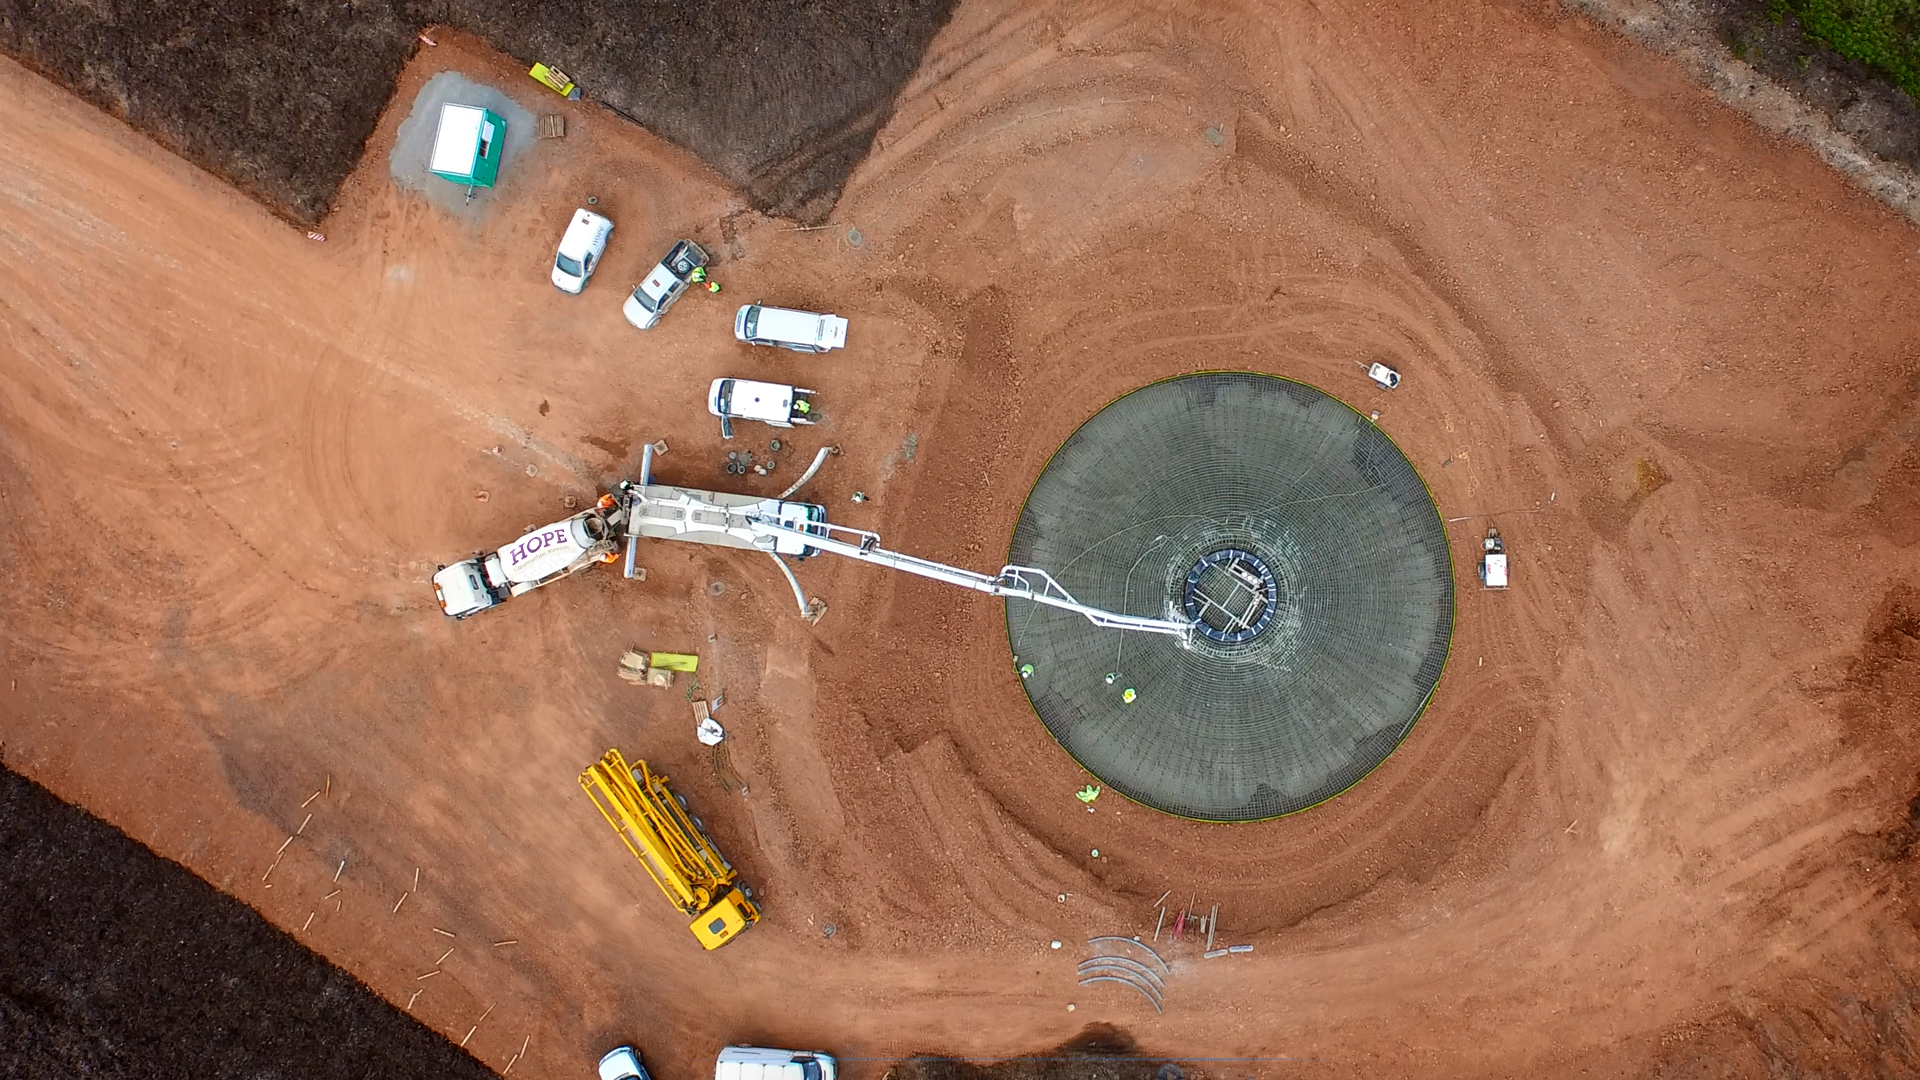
(530, 546)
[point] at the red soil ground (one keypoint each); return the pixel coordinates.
(1656, 820)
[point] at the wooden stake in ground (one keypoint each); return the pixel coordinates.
(336, 873)
(428, 975)
(1158, 923)
(1163, 898)
(331, 895)
(477, 1023)
(416, 879)
(414, 998)
(303, 825)
(518, 1056)
(309, 801)
(284, 843)
(443, 956)
(448, 933)
(1213, 923)
(509, 941)
(402, 900)
(309, 922)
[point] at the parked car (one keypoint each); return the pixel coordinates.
(664, 284)
(623, 1064)
(801, 331)
(761, 1063)
(580, 249)
(769, 403)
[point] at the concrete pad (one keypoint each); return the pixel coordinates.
(413, 145)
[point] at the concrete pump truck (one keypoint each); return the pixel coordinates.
(673, 845)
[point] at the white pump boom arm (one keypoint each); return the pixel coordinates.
(1014, 581)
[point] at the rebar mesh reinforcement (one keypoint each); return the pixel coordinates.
(1138, 499)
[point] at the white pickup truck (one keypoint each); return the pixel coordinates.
(542, 556)
(769, 403)
(663, 284)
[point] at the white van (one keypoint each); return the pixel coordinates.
(769, 403)
(580, 249)
(760, 1063)
(801, 331)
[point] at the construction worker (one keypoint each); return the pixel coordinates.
(699, 275)
(803, 406)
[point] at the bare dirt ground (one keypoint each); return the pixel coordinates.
(1655, 823)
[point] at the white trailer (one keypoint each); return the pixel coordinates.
(1493, 560)
(542, 556)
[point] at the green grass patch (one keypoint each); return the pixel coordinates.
(1884, 34)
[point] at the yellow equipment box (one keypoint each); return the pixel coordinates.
(555, 80)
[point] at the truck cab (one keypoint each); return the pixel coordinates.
(803, 517)
(663, 284)
(469, 587)
(770, 403)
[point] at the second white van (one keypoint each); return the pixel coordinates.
(761, 1063)
(801, 331)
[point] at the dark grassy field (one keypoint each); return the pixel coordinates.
(1865, 91)
(781, 96)
(115, 962)
(1099, 1052)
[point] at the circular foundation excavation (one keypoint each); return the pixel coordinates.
(1306, 551)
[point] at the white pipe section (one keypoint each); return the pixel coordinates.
(819, 459)
(787, 571)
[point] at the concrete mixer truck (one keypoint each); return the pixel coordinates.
(543, 555)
